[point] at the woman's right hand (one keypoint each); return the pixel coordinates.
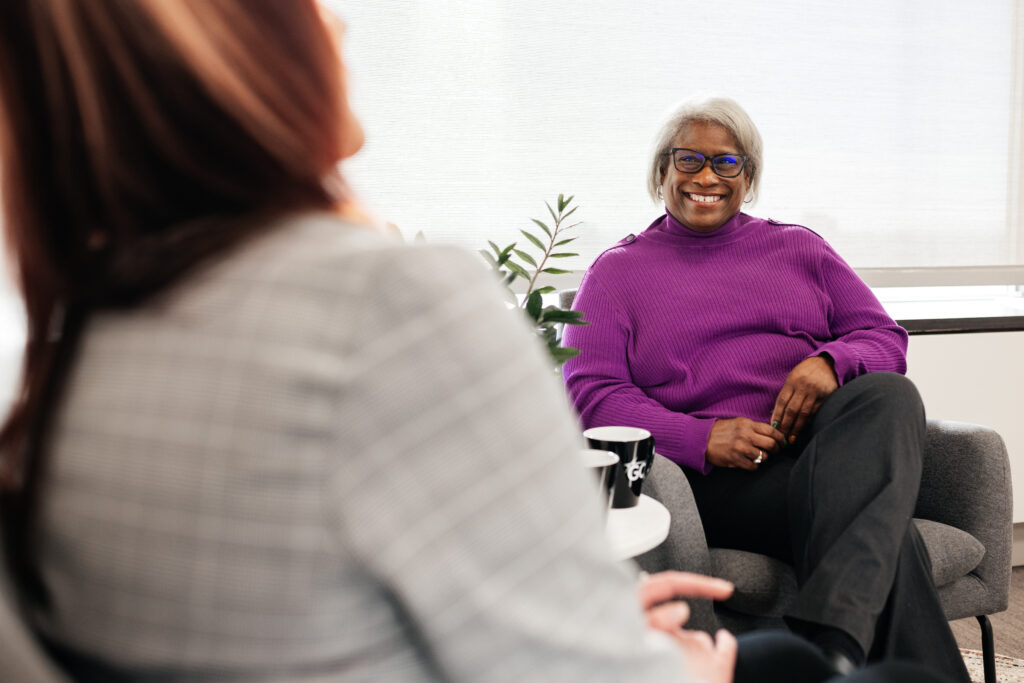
(740, 441)
(709, 659)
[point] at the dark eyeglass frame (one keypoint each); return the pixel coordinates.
(705, 159)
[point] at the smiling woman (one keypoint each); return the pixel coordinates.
(771, 374)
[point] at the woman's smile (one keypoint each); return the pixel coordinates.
(704, 198)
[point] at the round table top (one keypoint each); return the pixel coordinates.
(634, 531)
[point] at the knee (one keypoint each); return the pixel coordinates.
(893, 394)
(885, 382)
(884, 409)
(889, 407)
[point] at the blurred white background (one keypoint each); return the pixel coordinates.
(890, 127)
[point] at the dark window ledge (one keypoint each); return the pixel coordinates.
(1005, 323)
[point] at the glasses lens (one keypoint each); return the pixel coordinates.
(688, 161)
(727, 165)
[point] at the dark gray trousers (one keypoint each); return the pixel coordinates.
(837, 506)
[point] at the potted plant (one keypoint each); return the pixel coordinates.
(511, 263)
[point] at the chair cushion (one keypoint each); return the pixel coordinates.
(954, 552)
(766, 587)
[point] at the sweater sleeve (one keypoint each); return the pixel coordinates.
(864, 337)
(601, 387)
(466, 501)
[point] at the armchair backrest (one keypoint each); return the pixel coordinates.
(565, 298)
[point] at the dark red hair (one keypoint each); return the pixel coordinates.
(138, 138)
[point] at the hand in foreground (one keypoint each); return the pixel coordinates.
(805, 389)
(707, 659)
(742, 442)
(659, 592)
(712, 660)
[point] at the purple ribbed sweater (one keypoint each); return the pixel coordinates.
(689, 327)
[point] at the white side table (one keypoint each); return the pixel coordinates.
(633, 531)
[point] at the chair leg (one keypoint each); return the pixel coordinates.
(988, 649)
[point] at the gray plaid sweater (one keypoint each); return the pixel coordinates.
(328, 457)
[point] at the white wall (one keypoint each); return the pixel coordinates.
(12, 339)
(976, 377)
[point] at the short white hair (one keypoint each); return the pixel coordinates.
(716, 109)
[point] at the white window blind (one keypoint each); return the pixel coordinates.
(891, 128)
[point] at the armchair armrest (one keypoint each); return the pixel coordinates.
(686, 548)
(966, 484)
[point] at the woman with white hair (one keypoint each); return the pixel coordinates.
(769, 371)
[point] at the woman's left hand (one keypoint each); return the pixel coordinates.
(659, 596)
(805, 389)
(711, 659)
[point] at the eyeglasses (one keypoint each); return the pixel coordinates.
(692, 161)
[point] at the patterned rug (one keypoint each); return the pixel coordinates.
(1008, 669)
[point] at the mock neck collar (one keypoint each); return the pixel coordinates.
(673, 227)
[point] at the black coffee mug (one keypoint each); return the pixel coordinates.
(602, 464)
(635, 448)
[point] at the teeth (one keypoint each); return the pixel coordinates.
(704, 198)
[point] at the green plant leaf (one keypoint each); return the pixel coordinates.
(560, 243)
(505, 254)
(569, 212)
(497, 251)
(537, 243)
(533, 305)
(526, 257)
(511, 278)
(561, 354)
(554, 216)
(561, 203)
(518, 270)
(553, 314)
(555, 271)
(547, 289)
(564, 254)
(544, 227)
(489, 258)
(577, 319)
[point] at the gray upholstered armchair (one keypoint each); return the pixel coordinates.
(964, 514)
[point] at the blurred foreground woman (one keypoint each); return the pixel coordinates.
(254, 439)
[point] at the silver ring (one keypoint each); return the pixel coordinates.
(760, 457)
